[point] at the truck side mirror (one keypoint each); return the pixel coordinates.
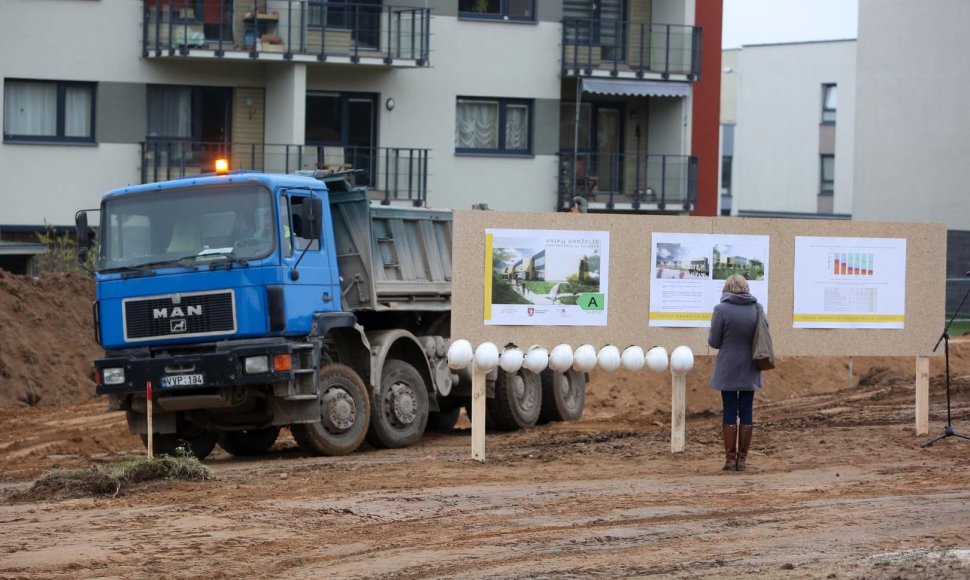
(314, 218)
(81, 227)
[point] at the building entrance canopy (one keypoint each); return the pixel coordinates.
(634, 88)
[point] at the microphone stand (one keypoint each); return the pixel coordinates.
(945, 339)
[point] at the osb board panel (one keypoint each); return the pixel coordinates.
(629, 283)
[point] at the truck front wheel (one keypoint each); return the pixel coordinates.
(344, 414)
(246, 443)
(400, 411)
(200, 445)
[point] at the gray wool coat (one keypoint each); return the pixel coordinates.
(732, 333)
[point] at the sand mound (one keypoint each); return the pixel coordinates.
(46, 339)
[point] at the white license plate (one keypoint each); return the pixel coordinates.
(182, 381)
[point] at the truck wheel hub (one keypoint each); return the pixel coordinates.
(403, 404)
(518, 386)
(564, 385)
(339, 410)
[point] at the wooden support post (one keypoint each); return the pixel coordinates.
(478, 413)
(148, 412)
(678, 403)
(922, 395)
(850, 372)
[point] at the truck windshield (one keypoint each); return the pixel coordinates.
(186, 226)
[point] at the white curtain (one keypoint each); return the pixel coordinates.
(30, 109)
(77, 112)
(517, 128)
(476, 126)
(170, 112)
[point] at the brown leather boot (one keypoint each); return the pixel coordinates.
(730, 447)
(744, 442)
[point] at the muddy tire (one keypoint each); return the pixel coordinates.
(248, 443)
(200, 445)
(443, 421)
(517, 402)
(344, 414)
(563, 395)
(399, 412)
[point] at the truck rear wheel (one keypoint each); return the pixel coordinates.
(344, 414)
(563, 395)
(400, 411)
(517, 402)
(251, 442)
(200, 445)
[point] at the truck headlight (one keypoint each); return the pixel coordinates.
(256, 364)
(113, 376)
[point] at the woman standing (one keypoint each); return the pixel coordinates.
(735, 375)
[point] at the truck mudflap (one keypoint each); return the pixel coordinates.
(225, 367)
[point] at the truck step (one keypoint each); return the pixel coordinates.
(300, 398)
(302, 371)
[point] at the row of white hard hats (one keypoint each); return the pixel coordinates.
(563, 357)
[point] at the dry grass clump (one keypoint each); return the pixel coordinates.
(180, 467)
(59, 484)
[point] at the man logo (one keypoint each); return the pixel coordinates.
(178, 325)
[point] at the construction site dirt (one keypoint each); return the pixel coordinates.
(837, 485)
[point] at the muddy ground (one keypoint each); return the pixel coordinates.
(838, 486)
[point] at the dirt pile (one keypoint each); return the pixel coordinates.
(46, 339)
(47, 346)
(624, 395)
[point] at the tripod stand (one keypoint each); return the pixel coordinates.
(945, 339)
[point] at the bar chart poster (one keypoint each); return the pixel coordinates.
(850, 282)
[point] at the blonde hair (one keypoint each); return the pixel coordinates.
(736, 284)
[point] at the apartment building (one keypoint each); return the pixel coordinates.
(519, 104)
(788, 119)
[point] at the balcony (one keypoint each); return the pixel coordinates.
(363, 33)
(628, 182)
(594, 47)
(390, 174)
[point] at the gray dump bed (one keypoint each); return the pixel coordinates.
(391, 258)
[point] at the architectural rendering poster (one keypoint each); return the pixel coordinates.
(850, 282)
(687, 274)
(546, 277)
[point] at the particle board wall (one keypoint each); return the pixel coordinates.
(629, 283)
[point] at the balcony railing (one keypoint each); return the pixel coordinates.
(630, 47)
(389, 173)
(627, 181)
(306, 29)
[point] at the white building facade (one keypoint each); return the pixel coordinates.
(444, 103)
(791, 145)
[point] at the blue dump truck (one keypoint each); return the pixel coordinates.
(254, 301)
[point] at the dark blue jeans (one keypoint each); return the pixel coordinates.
(738, 404)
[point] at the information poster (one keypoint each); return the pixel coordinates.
(850, 282)
(546, 277)
(688, 273)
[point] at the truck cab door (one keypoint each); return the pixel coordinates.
(309, 281)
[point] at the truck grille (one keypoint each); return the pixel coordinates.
(180, 315)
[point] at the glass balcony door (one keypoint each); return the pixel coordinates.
(344, 128)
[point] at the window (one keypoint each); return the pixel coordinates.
(726, 161)
(493, 126)
(498, 9)
(48, 111)
(827, 178)
(829, 101)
